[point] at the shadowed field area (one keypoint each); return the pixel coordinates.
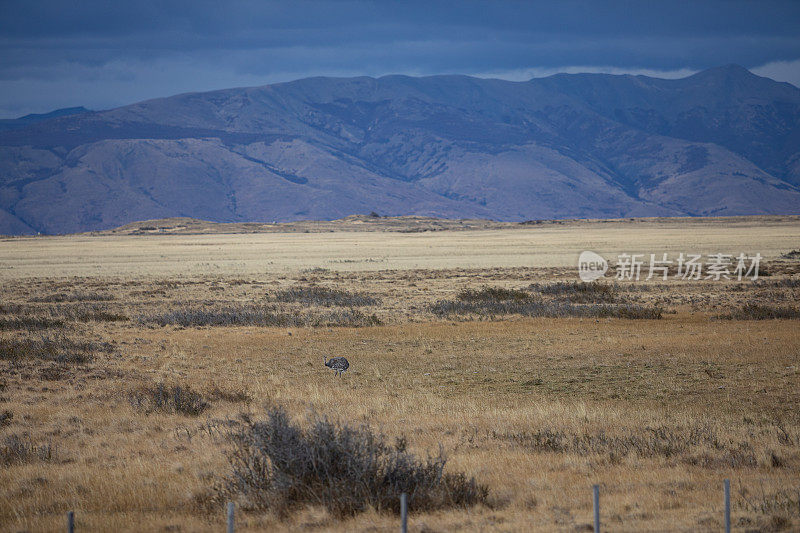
(121, 396)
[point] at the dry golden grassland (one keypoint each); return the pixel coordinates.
(536, 408)
(546, 245)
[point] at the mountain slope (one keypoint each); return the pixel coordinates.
(721, 142)
(33, 118)
(752, 116)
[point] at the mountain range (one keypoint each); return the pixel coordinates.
(720, 142)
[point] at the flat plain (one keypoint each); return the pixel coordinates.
(478, 341)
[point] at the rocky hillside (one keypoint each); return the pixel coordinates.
(721, 142)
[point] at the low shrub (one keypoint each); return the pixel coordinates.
(492, 294)
(15, 449)
(324, 297)
(74, 297)
(789, 283)
(761, 501)
(163, 398)
(539, 308)
(235, 315)
(647, 442)
(60, 349)
(238, 396)
(252, 315)
(568, 291)
(316, 270)
(754, 311)
(578, 291)
(30, 323)
(696, 445)
(54, 372)
(630, 311)
(101, 316)
(10, 309)
(280, 466)
(84, 312)
(343, 318)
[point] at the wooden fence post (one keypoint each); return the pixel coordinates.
(727, 485)
(596, 505)
(230, 517)
(404, 513)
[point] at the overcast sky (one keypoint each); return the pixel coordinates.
(102, 54)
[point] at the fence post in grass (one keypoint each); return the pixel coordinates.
(727, 484)
(230, 517)
(404, 513)
(596, 505)
(71, 522)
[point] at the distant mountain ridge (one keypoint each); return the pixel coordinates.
(21, 122)
(721, 142)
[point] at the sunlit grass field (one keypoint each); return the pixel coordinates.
(556, 244)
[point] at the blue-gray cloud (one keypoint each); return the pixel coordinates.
(102, 54)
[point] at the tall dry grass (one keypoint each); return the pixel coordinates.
(657, 412)
(127, 422)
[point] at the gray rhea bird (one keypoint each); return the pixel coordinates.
(337, 364)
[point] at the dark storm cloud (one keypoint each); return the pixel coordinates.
(101, 54)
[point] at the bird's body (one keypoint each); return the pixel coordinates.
(337, 364)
